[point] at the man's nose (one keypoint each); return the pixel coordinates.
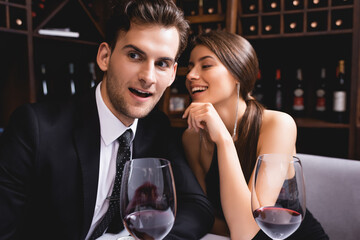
(147, 73)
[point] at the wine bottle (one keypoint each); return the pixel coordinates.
(191, 8)
(317, 21)
(250, 6)
(271, 6)
(317, 3)
(341, 19)
(249, 25)
(44, 94)
(38, 8)
(210, 7)
(18, 18)
(71, 77)
(258, 92)
(293, 23)
(321, 96)
(278, 91)
(92, 74)
(298, 95)
(294, 4)
(271, 24)
(339, 95)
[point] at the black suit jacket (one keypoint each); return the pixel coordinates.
(49, 168)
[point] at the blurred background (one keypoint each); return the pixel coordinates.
(309, 54)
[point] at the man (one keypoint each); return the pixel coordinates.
(58, 160)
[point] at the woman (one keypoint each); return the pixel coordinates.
(228, 130)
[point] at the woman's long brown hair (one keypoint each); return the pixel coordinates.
(239, 57)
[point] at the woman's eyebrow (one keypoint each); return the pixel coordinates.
(205, 57)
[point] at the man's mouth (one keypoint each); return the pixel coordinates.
(198, 89)
(139, 93)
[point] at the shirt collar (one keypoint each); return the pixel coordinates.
(110, 126)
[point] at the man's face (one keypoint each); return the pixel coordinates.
(137, 72)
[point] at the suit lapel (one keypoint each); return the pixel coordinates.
(150, 138)
(87, 143)
(139, 142)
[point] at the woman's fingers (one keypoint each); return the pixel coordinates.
(196, 115)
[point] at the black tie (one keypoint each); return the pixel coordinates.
(112, 221)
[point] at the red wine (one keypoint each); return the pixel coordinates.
(150, 224)
(277, 223)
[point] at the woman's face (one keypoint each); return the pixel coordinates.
(208, 79)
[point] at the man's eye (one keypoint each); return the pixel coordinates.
(134, 55)
(163, 64)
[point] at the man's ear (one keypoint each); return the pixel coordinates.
(103, 56)
(173, 74)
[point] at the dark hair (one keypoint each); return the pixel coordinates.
(239, 57)
(159, 12)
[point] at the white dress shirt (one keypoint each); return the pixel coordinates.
(110, 129)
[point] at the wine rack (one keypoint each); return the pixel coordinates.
(309, 34)
(274, 18)
(292, 34)
(203, 16)
(13, 16)
(24, 50)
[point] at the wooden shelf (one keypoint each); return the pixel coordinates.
(316, 123)
(72, 14)
(257, 21)
(299, 34)
(206, 18)
(349, 33)
(65, 39)
(10, 30)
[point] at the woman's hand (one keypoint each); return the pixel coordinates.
(204, 116)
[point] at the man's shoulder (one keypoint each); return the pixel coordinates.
(44, 110)
(52, 112)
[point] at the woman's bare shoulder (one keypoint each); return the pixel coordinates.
(278, 133)
(276, 119)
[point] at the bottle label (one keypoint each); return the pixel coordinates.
(320, 93)
(298, 92)
(298, 99)
(320, 104)
(259, 97)
(320, 100)
(339, 101)
(298, 103)
(278, 100)
(45, 89)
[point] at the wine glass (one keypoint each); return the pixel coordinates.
(148, 198)
(278, 195)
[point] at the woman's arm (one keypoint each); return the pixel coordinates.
(234, 192)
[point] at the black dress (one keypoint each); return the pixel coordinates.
(310, 228)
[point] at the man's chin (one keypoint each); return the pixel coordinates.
(140, 112)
